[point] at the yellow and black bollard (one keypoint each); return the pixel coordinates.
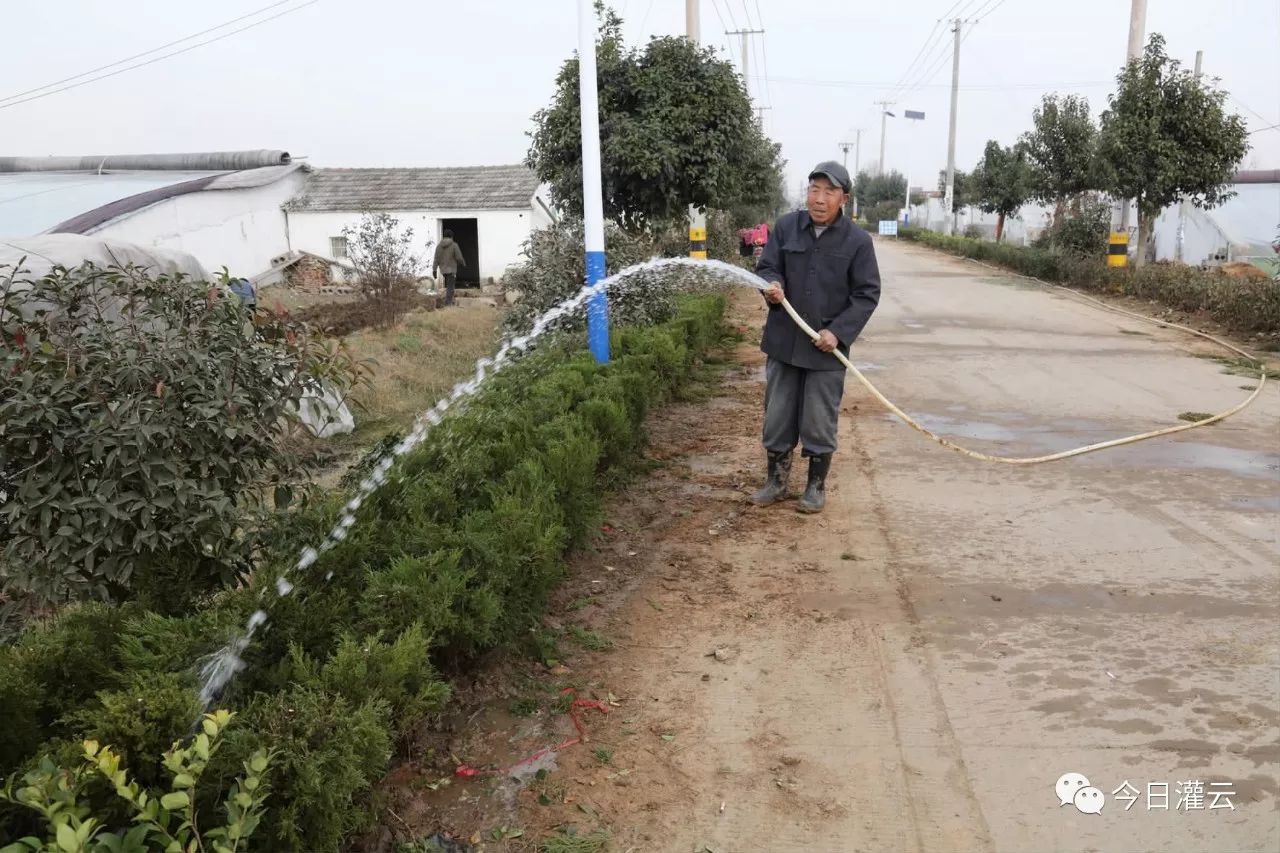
(698, 242)
(1118, 249)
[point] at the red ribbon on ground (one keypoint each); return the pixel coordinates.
(467, 771)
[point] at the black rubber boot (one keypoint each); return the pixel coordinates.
(775, 487)
(815, 493)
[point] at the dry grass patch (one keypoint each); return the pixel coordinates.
(417, 361)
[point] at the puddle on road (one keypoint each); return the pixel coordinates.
(1259, 504)
(1069, 433)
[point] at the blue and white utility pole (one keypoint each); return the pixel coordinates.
(592, 200)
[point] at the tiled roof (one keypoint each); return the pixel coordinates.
(462, 188)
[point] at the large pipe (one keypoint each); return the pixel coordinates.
(1258, 176)
(213, 161)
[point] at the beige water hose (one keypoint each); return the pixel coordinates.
(1066, 454)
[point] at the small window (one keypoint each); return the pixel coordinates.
(337, 247)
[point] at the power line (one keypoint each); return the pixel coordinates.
(927, 79)
(645, 19)
(940, 61)
(926, 69)
(974, 87)
(145, 52)
(934, 50)
(719, 15)
(728, 10)
(979, 13)
(990, 11)
(927, 43)
(757, 48)
(160, 58)
(1259, 130)
(724, 29)
(764, 55)
(1251, 109)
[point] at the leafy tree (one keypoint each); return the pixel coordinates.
(1001, 182)
(555, 269)
(962, 189)
(1082, 230)
(885, 210)
(676, 128)
(1167, 136)
(873, 190)
(1062, 149)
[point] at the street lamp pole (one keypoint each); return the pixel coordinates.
(592, 196)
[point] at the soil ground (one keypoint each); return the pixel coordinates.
(915, 668)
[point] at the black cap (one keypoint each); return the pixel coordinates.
(834, 172)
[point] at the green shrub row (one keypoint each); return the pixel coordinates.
(1245, 306)
(455, 555)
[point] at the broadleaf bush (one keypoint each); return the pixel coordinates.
(78, 818)
(140, 419)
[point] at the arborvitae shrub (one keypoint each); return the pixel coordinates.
(425, 588)
(328, 755)
(141, 721)
(397, 672)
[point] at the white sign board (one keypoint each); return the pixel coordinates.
(888, 228)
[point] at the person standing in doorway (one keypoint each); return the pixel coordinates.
(448, 259)
(825, 266)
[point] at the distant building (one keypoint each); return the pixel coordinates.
(266, 218)
(1243, 228)
(224, 208)
(491, 211)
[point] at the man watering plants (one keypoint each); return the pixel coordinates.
(825, 266)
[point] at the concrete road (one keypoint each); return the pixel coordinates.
(1114, 615)
(915, 669)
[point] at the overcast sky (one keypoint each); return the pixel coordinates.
(425, 83)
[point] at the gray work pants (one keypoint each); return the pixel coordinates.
(801, 406)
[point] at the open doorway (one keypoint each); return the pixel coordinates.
(466, 235)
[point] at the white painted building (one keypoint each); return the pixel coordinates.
(255, 212)
(491, 211)
(223, 208)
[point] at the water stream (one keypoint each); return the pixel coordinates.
(222, 667)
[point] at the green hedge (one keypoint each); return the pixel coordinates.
(455, 555)
(1244, 306)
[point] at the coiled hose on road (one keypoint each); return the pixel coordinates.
(1066, 454)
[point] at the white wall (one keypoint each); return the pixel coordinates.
(1019, 230)
(241, 229)
(501, 232)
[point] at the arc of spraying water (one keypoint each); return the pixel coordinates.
(219, 670)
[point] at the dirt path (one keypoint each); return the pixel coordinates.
(915, 668)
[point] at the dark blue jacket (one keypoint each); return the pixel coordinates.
(832, 281)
